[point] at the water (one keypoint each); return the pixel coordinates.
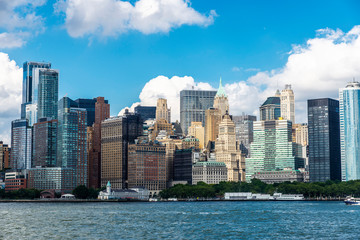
(180, 220)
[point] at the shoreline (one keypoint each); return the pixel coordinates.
(131, 201)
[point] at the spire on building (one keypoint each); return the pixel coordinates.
(221, 91)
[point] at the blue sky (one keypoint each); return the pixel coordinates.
(245, 38)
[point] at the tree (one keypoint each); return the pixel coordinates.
(81, 192)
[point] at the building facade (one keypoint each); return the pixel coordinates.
(228, 151)
(54, 178)
(45, 143)
(102, 112)
(270, 109)
(244, 132)
(350, 131)
(149, 167)
(324, 140)
(212, 121)
(162, 110)
(116, 134)
(193, 104)
(209, 172)
(221, 100)
(272, 148)
(182, 166)
(287, 102)
(72, 135)
(146, 112)
(21, 144)
(197, 130)
(4, 156)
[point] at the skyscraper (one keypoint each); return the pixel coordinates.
(197, 130)
(21, 136)
(89, 106)
(102, 112)
(270, 109)
(45, 143)
(193, 104)
(272, 148)
(350, 131)
(72, 135)
(324, 140)
(221, 100)
(48, 90)
(244, 131)
(287, 102)
(212, 120)
(116, 134)
(162, 111)
(4, 156)
(29, 86)
(146, 112)
(227, 150)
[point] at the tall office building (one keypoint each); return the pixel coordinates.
(193, 104)
(350, 131)
(244, 132)
(197, 130)
(29, 84)
(89, 106)
(324, 140)
(212, 120)
(72, 135)
(287, 102)
(183, 165)
(4, 156)
(48, 91)
(227, 150)
(45, 143)
(162, 110)
(270, 109)
(146, 112)
(116, 134)
(102, 112)
(221, 101)
(272, 149)
(21, 137)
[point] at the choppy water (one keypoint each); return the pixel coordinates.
(180, 220)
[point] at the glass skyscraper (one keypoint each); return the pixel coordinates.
(350, 131)
(324, 140)
(72, 145)
(21, 150)
(47, 94)
(270, 109)
(193, 104)
(272, 148)
(29, 86)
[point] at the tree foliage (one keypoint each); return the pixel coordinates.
(329, 189)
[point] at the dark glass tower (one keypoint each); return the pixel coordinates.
(193, 104)
(48, 91)
(146, 112)
(324, 140)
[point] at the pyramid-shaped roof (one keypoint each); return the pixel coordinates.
(221, 91)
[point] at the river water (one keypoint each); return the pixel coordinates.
(180, 220)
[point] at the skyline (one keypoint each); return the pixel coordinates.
(253, 58)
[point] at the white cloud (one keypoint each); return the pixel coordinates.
(10, 95)
(168, 88)
(18, 18)
(315, 70)
(113, 17)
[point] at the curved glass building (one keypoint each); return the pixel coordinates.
(350, 131)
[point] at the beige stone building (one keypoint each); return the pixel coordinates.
(162, 110)
(287, 104)
(227, 150)
(197, 130)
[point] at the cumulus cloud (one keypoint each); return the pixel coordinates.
(315, 69)
(113, 17)
(168, 88)
(18, 18)
(10, 95)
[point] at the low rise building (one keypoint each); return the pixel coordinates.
(210, 172)
(286, 175)
(135, 194)
(15, 181)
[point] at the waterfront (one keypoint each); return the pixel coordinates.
(180, 220)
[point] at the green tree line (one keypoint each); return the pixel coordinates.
(329, 189)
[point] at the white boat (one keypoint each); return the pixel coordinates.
(352, 201)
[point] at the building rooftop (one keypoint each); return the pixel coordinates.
(272, 100)
(221, 91)
(210, 164)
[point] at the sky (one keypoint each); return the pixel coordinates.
(137, 51)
